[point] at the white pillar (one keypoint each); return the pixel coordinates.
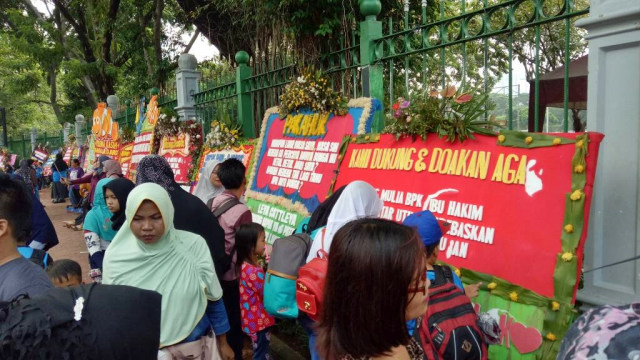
(187, 85)
(65, 132)
(614, 109)
(112, 103)
(79, 124)
(34, 136)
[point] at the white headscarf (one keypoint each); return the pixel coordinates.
(178, 266)
(358, 200)
(205, 190)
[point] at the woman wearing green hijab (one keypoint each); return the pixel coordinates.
(98, 232)
(149, 253)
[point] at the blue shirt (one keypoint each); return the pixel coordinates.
(214, 317)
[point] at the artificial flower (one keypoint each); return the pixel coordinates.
(576, 195)
(567, 256)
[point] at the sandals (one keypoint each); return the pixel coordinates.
(68, 224)
(76, 227)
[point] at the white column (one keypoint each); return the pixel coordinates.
(79, 125)
(34, 137)
(65, 132)
(112, 103)
(187, 85)
(614, 109)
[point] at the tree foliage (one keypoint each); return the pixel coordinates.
(22, 92)
(88, 50)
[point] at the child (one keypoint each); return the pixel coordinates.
(255, 320)
(65, 273)
(116, 193)
(231, 213)
(98, 232)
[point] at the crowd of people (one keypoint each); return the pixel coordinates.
(176, 275)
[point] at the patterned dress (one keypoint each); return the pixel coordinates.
(254, 317)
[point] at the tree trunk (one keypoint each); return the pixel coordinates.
(54, 93)
(157, 42)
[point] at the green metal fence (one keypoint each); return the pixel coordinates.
(477, 45)
(217, 100)
(495, 47)
(126, 114)
(473, 44)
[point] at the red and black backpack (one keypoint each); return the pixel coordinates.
(449, 329)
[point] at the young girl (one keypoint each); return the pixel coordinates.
(97, 231)
(115, 196)
(255, 320)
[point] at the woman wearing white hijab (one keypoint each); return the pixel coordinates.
(149, 253)
(209, 185)
(358, 200)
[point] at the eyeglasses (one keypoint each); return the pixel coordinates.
(420, 289)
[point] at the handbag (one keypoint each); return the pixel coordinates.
(310, 283)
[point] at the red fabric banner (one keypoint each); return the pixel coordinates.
(506, 205)
(176, 150)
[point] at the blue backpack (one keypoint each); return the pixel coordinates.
(288, 254)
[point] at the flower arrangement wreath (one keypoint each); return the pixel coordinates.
(169, 124)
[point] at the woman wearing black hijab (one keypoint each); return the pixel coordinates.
(191, 214)
(120, 189)
(72, 323)
(59, 171)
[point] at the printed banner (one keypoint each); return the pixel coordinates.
(298, 157)
(498, 199)
(90, 155)
(145, 124)
(518, 207)
(46, 167)
(106, 140)
(40, 155)
(176, 150)
(125, 158)
(242, 153)
(68, 153)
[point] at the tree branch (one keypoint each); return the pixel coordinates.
(191, 42)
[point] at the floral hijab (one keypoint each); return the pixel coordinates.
(156, 169)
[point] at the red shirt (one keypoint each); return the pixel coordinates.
(254, 317)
